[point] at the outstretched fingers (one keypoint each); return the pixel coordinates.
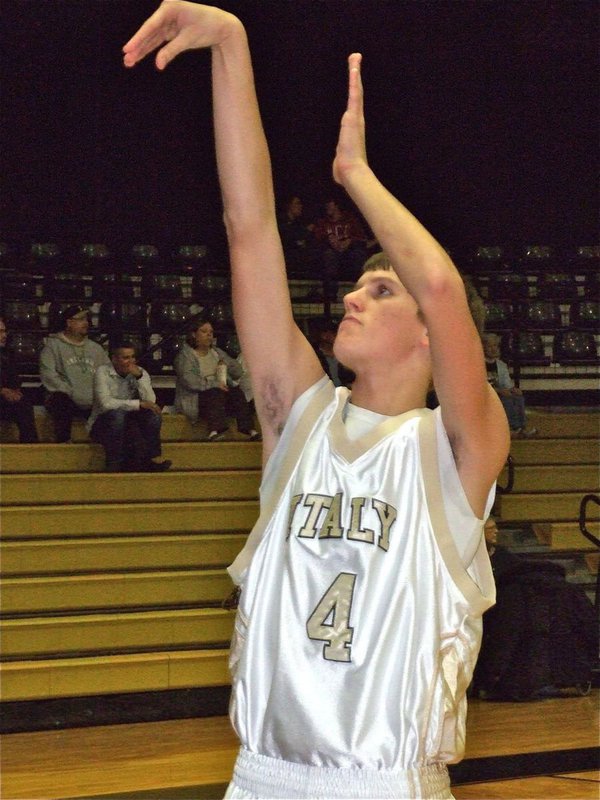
(148, 37)
(355, 87)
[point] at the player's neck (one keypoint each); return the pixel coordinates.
(390, 395)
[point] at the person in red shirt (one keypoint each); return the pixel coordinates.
(344, 245)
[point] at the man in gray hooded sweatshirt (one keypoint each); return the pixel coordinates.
(67, 366)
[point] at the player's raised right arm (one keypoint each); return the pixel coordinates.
(280, 360)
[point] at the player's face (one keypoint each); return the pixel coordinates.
(381, 322)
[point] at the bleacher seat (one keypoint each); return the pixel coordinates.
(165, 355)
(143, 258)
(508, 286)
(542, 315)
(592, 285)
(18, 286)
(575, 348)
(537, 258)
(166, 287)
(529, 351)
(561, 286)
(93, 258)
(586, 258)
(9, 256)
(498, 315)
(212, 287)
(26, 347)
(191, 259)
(22, 315)
(221, 315)
(44, 258)
(229, 341)
(168, 316)
(585, 315)
(115, 286)
(489, 259)
(115, 317)
(68, 286)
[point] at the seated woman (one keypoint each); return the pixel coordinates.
(204, 388)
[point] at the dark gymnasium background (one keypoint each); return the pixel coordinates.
(482, 116)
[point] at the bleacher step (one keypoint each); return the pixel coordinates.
(565, 535)
(104, 554)
(135, 672)
(77, 458)
(554, 451)
(143, 487)
(49, 594)
(542, 506)
(557, 478)
(573, 424)
(90, 634)
(123, 518)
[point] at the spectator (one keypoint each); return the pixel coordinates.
(68, 362)
(344, 245)
(125, 418)
(14, 406)
(323, 341)
(204, 385)
(297, 238)
(510, 395)
(476, 304)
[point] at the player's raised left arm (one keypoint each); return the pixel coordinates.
(473, 416)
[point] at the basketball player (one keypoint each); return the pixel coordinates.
(366, 575)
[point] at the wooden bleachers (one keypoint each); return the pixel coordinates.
(552, 473)
(113, 583)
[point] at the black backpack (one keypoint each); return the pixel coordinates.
(540, 638)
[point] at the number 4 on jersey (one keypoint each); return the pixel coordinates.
(329, 622)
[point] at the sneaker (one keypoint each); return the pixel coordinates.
(253, 436)
(216, 436)
(527, 432)
(156, 466)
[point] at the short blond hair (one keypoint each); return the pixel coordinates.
(379, 260)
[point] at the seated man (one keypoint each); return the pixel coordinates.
(125, 419)
(67, 366)
(14, 406)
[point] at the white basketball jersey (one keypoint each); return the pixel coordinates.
(358, 626)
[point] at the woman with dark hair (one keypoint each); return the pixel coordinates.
(204, 384)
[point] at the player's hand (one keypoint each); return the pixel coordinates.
(351, 148)
(184, 26)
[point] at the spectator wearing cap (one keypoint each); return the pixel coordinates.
(68, 363)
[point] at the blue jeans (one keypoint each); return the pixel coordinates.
(130, 438)
(515, 410)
